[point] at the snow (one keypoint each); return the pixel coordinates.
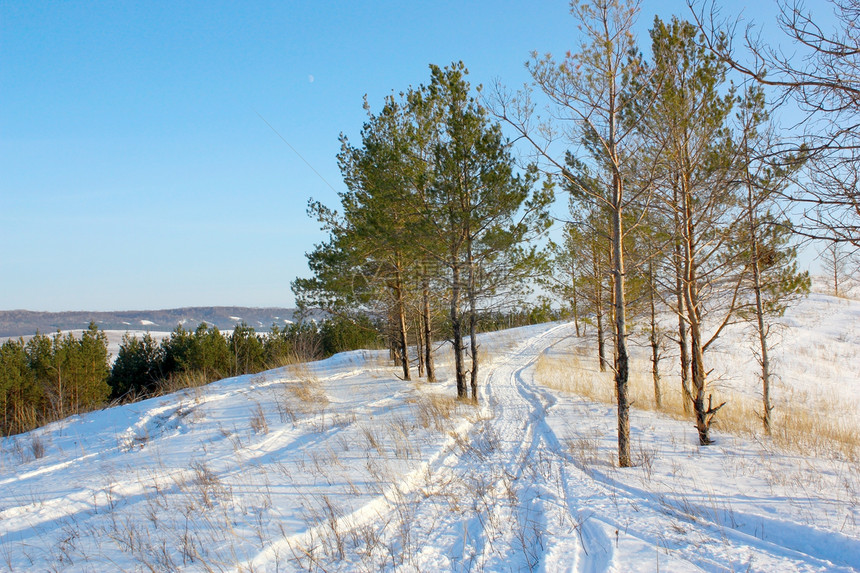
(339, 465)
(144, 322)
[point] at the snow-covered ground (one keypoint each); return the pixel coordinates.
(339, 465)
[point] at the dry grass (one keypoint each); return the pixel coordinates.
(300, 396)
(437, 411)
(289, 359)
(258, 420)
(181, 381)
(306, 387)
(797, 427)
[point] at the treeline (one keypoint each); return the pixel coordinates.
(48, 378)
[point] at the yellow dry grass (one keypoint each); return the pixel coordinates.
(436, 411)
(306, 388)
(797, 427)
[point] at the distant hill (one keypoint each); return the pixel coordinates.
(26, 322)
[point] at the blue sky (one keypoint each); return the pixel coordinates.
(135, 172)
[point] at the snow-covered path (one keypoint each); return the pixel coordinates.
(512, 496)
(340, 466)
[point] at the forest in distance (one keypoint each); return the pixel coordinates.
(46, 378)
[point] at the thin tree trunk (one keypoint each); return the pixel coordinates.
(621, 372)
(419, 344)
(61, 396)
(401, 325)
(598, 308)
(613, 295)
(428, 332)
(473, 324)
(686, 394)
(759, 311)
(392, 339)
(835, 271)
(655, 343)
(473, 343)
(456, 333)
(574, 301)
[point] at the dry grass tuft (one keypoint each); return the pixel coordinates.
(283, 360)
(181, 381)
(303, 394)
(437, 411)
(258, 420)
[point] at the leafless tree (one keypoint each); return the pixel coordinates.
(840, 266)
(820, 74)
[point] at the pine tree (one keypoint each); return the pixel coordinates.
(480, 210)
(588, 92)
(93, 363)
(138, 367)
(689, 123)
(765, 240)
(246, 350)
(20, 396)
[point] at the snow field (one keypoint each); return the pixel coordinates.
(340, 466)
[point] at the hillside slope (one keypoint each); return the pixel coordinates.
(340, 466)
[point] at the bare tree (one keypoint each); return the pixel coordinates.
(821, 75)
(840, 267)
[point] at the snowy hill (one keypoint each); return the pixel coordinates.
(15, 323)
(340, 466)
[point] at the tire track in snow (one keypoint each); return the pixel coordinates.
(499, 455)
(662, 509)
(505, 495)
(456, 458)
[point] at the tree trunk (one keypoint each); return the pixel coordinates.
(473, 325)
(704, 414)
(473, 343)
(402, 340)
(759, 311)
(574, 306)
(654, 340)
(613, 296)
(621, 372)
(598, 308)
(428, 332)
(419, 344)
(686, 395)
(392, 338)
(835, 271)
(457, 333)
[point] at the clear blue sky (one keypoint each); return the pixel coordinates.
(134, 170)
